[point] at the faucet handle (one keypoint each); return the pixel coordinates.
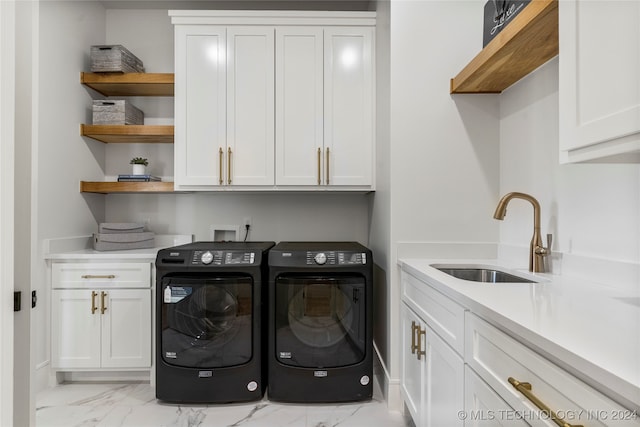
(549, 241)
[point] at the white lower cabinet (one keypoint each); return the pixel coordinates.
(432, 376)
(540, 392)
(483, 406)
(103, 326)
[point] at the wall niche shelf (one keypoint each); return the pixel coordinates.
(126, 187)
(129, 84)
(529, 41)
(129, 133)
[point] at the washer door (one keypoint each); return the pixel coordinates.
(206, 322)
(320, 321)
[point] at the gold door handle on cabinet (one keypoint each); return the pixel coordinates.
(94, 294)
(221, 164)
(419, 350)
(229, 166)
(326, 178)
(413, 337)
(319, 165)
(103, 276)
(103, 306)
(525, 389)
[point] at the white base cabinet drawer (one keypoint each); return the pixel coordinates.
(100, 275)
(504, 363)
(444, 316)
(483, 407)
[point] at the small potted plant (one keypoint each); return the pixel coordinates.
(139, 165)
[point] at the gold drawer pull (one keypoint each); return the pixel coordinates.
(327, 165)
(220, 157)
(103, 306)
(229, 166)
(104, 276)
(94, 294)
(421, 332)
(319, 167)
(413, 337)
(525, 388)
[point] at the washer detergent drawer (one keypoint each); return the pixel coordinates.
(100, 275)
(519, 376)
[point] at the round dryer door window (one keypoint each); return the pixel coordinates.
(206, 323)
(320, 321)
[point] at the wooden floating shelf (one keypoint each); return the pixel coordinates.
(130, 84)
(125, 187)
(529, 41)
(129, 133)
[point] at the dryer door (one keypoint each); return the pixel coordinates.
(206, 322)
(320, 320)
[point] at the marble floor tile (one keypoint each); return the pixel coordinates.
(135, 405)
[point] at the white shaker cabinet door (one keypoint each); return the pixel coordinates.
(299, 106)
(200, 105)
(599, 87)
(348, 106)
(75, 328)
(126, 328)
(250, 106)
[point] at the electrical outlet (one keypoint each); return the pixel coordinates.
(247, 221)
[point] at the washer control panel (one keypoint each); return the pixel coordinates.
(212, 257)
(336, 258)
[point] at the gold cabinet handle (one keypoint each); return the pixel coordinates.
(229, 166)
(94, 294)
(419, 351)
(319, 167)
(220, 161)
(413, 337)
(326, 178)
(98, 276)
(103, 306)
(525, 389)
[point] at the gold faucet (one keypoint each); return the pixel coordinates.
(537, 252)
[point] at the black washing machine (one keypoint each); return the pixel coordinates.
(320, 322)
(211, 305)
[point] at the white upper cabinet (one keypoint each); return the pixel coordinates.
(324, 106)
(224, 106)
(274, 100)
(299, 106)
(599, 80)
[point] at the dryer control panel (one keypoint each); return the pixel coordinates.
(336, 258)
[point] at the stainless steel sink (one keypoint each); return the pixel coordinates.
(482, 274)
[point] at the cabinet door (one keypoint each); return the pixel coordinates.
(299, 106)
(444, 382)
(483, 407)
(348, 106)
(75, 329)
(200, 105)
(126, 328)
(599, 89)
(412, 371)
(250, 106)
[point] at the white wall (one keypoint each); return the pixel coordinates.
(591, 209)
(61, 157)
(443, 167)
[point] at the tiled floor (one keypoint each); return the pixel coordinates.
(134, 405)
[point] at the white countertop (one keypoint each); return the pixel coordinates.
(78, 248)
(589, 329)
